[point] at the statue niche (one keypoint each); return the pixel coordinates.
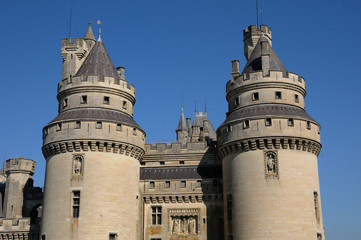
(271, 164)
(78, 167)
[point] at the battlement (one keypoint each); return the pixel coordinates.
(67, 43)
(175, 147)
(91, 81)
(20, 165)
(251, 36)
(254, 30)
(239, 80)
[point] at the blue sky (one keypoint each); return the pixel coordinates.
(184, 48)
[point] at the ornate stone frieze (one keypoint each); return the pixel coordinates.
(245, 145)
(99, 146)
(184, 221)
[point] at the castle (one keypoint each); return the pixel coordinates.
(255, 177)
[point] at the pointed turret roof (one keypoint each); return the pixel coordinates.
(182, 123)
(98, 63)
(89, 34)
(198, 121)
(254, 63)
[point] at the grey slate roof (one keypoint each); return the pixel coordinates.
(188, 172)
(89, 34)
(182, 123)
(98, 63)
(198, 121)
(268, 110)
(254, 63)
(95, 114)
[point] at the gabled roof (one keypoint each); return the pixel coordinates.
(254, 63)
(98, 63)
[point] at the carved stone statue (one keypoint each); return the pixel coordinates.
(271, 168)
(77, 166)
(176, 226)
(192, 226)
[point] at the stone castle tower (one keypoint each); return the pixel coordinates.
(92, 149)
(269, 147)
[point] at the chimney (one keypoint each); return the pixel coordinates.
(120, 71)
(265, 58)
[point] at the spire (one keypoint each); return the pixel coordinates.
(256, 60)
(98, 63)
(89, 34)
(182, 122)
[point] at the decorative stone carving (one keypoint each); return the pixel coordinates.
(184, 222)
(78, 167)
(271, 164)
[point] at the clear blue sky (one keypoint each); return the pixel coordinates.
(174, 48)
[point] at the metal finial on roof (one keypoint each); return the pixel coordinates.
(195, 106)
(100, 29)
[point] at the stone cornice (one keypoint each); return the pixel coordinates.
(126, 149)
(251, 144)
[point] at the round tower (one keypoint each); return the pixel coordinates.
(269, 147)
(19, 172)
(92, 150)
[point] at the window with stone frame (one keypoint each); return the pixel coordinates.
(167, 184)
(76, 204)
(183, 184)
(156, 215)
(255, 96)
(113, 236)
(83, 99)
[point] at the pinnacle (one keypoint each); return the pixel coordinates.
(89, 34)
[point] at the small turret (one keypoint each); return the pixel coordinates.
(182, 130)
(89, 36)
(251, 36)
(75, 52)
(19, 172)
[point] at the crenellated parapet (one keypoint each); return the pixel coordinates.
(20, 165)
(91, 91)
(175, 154)
(243, 90)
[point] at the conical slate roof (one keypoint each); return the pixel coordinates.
(255, 63)
(98, 63)
(182, 123)
(89, 34)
